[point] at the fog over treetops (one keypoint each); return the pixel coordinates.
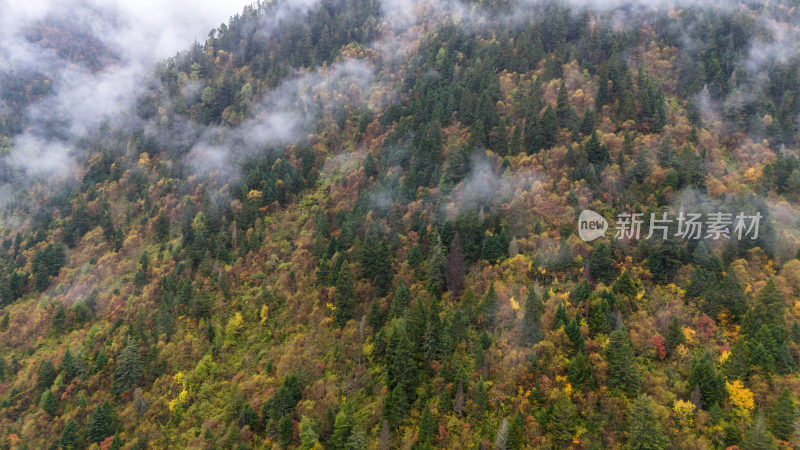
(362, 224)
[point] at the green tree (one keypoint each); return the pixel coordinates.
(456, 269)
(45, 375)
(562, 422)
(47, 263)
(161, 226)
(757, 437)
(599, 320)
(573, 331)
(69, 437)
(345, 296)
(601, 264)
(489, 306)
(308, 435)
(548, 130)
(516, 433)
(578, 371)
(768, 308)
(645, 431)
(129, 367)
(563, 109)
(49, 403)
(625, 285)
(427, 429)
(102, 423)
(436, 264)
(401, 366)
(532, 321)
(415, 256)
(704, 376)
(674, 335)
(622, 371)
(376, 260)
(400, 300)
(597, 152)
(396, 405)
(342, 427)
(783, 415)
(284, 400)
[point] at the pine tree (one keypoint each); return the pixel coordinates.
(481, 398)
(703, 375)
(561, 318)
(401, 367)
(548, 130)
(757, 437)
(69, 368)
(342, 427)
(730, 295)
(532, 321)
(285, 431)
(578, 371)
(562, 105)
(49, 403)
(622, 371)
(370, 165)
(603, 92)
(562, 422)
(769, 306)
(161, 226)
(69, 437)
(573, 331)
(427, 429)
(783, 415)
(456, 269)
(400, 300)
(601, 264)
(516, 433)
(674, 335)
(345, 297)
(376, 260)
(415, 256)
(625, 285)
(436, 264)
(129, 367)
(599, 320)
(395, 407)
(644, 429)
(102, 423)
(582, 292)
(597, 152)
(489, 306)
(45, 375)
(376, 316)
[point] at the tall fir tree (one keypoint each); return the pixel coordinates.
(345, 296)
(623, 373)
(645, 431)
(783, 415)
(129, 367)
(532, 320)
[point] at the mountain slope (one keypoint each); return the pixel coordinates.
(342, 224)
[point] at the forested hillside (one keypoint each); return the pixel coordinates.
(353, 224)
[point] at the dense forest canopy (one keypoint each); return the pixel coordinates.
(354, 224)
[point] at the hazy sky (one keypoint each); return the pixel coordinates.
(147, 29)
(138, 33)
